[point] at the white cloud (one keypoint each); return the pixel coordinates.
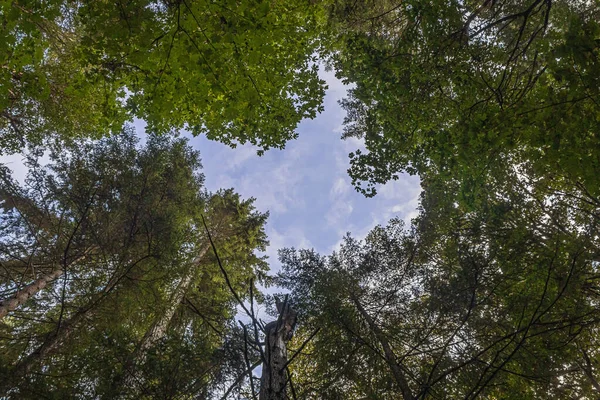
(338, 215)
(239, 157)
(339, 188)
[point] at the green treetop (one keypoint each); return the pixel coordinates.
(107, 272)
(494, 301)
(237, 71)
(466, 89)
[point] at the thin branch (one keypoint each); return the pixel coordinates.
(224, 272)
(238, 380)
(247, 359)
(301, 347)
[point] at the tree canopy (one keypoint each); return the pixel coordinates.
(121, 276)
(496, 302)
(462, 89)
(237, 72)
(118, 228)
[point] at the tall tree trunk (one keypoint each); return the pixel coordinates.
(274, 379)
(390, 357)
(63, 332)
(27, 292)
(158, 329)
(21, 296)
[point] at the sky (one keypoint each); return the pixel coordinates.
(305, 187)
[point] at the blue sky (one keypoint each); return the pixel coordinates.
(306, 187)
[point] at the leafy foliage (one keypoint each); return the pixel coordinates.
(108, 284)
(236, 71)
(499, 301)
(463, 89)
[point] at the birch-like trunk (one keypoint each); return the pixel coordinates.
(61, 334)
(27, 292)
(22, 295)
(158, 329)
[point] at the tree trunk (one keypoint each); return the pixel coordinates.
(274, 379)
(36, 286)
(158, 329)
(388, 353)
(58, 336)
(27, 292)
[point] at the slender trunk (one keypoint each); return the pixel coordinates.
(158, 329)
(27, 292)
(35, 287)
(62, 333)
(274, 379)
(390, 357)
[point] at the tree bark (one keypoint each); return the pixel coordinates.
(274, 379)
(158, 329)
(27, 292)
(390, 357)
